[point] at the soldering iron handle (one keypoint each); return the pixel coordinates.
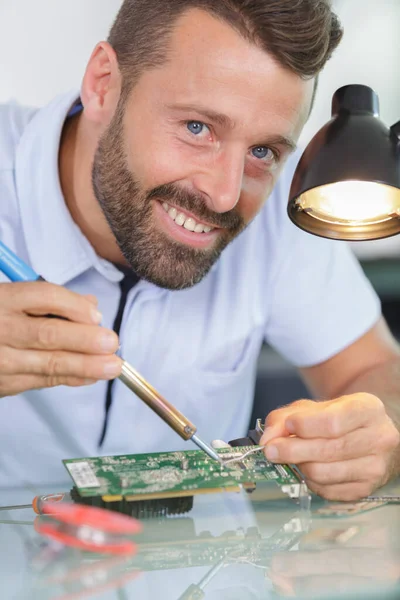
(14, 268)
(17, 270)
(156, 402)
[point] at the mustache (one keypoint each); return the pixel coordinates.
(194, 203)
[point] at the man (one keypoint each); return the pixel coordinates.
(134, 196)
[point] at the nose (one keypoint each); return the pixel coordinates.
(222, 181)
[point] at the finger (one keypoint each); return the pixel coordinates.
(41, 298)
(273, 432)
(59, 364)
(52, 334)
(275, 423)
(91, 299)
(369, 469)
(336, 418)
(361, 442)
(15, 385)
(343, 492)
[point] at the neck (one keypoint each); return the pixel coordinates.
(75, 165)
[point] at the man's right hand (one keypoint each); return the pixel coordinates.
(39, 352)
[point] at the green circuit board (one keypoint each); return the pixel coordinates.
(173, 474)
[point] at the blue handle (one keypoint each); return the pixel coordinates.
(15, 268)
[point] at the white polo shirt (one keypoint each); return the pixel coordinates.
(306, 296)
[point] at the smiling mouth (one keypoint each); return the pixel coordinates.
(185, 221)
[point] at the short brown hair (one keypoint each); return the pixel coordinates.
(300, 34)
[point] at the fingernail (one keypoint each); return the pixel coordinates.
(107, 342)
(96, 316)
(112, 369)
(269, 434)
(271, 452)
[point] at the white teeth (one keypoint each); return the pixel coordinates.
(173, 213)
(187, 222)
(180, 219)
(190, 224)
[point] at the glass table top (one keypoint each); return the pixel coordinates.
(233, 546)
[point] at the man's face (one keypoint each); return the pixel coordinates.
(191, 156)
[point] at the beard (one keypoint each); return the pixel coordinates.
(128, 208)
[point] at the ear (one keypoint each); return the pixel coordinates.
(101, 86)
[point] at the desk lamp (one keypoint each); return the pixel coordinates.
(347, 183)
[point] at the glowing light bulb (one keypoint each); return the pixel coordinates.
(352, 202)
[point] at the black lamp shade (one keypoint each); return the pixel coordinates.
(347, 183)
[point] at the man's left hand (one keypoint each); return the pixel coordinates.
(344, 447)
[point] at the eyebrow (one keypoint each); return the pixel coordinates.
(211, 115)
(227, 123)
(280, 140)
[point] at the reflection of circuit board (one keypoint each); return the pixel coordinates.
(164, 546)
(178, 552)
(174, 474)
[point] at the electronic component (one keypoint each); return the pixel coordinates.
(298, 491)
(253, 436)
(141, 509)
(163, 475)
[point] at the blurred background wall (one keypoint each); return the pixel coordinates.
(44, 47)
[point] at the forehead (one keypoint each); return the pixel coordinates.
(210, 64)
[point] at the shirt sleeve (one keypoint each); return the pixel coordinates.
(320, 301)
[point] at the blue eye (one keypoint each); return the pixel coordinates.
(195, 127)
(261, 152)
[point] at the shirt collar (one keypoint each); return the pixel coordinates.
(57, 248)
